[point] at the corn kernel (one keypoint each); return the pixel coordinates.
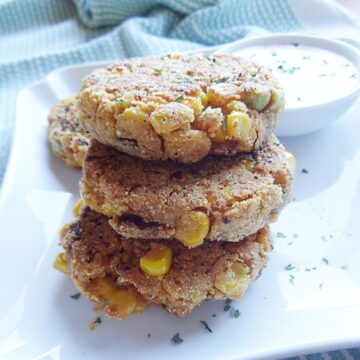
(256, 96)
(121, 301)
(248, 165)
(204, 99)
(195, 104)
(221, 94)
(60, 263)
(77, 207)
(233, 283)
(228, 193)
(171, 117)
(192, 228)
(262, 238)
(107, 210)
(277, 99)
(237, 105)
(238, 125)
(175, 56)
(220, 135)
(134, 113)
(157, 261)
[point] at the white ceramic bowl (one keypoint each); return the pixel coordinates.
(306, 119)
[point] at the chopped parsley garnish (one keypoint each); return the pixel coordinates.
(221, 80)
(281, 235)
(322, 75)
(291, 279)
(148, 335)
(121, 101)
(179, 98)
(280, 67)
(306, 57)
(289, 267)
(326, 261)
(290, 243)
(273, 53)
(298, 98)
(176, 339)
(187, 79)
(236, 313)
(308, 269)
(98, 320)
(304, 171)
(321, 285)
(213, 315)
(158, 71)
(323, 238)
(75, 296)
(353, 75)
(325, 62)
(295, 236)
(344, 267)
(206, 325)
(227, 306)
(295, 44)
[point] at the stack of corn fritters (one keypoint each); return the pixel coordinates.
(181, 177)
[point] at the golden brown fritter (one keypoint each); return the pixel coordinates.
(219, 198)
(106, 268)
(181, 107)
(68, 140)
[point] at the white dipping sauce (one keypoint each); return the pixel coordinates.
(309, 75)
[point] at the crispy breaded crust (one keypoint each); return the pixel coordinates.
(240, 195)
(68, 140)
(121, 105)
(94, 250)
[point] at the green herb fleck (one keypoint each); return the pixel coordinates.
(98, 320)
(292, 279)
(179, 98)
(322, 75)
(289, 267)
(290, 243)
(227, 304)
(188, 80)
(221, 80)
(235, 313)
(323, 238)
(273, 53)
(281, 235)
(306, 57)
(75, 296)
(295, 44)
(148, 335)
(344, 267)
(346, 65)
(326, 261)
(213, 315)
(295, 236)
(206, 325)
(321, 285)
(353, 76)
(158, 71)
(308, 269)
(122, 101)
(325, 62)
(176, 339)
(298, 98)
(281, 67)
(304, 171)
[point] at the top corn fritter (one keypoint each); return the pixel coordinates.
(181, 107)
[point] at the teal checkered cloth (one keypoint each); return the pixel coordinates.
(38, 36)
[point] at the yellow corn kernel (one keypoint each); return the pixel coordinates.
(237, 105)
(175, 56)
(171, 117)
(60, 263)
(134, 113)
(262, 238)
(121, 301)
(277, 99)
(256, 96)
(228, 193)
(195, 104)
(238, 125)
(248, 165)
(107, 210)
(192, 228)
(157, 261)
(292, 159)
(220, 135)
(233, 283)
(122, 103)
(77, 207)
(204, 99)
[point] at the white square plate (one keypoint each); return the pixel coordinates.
(318, 310)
